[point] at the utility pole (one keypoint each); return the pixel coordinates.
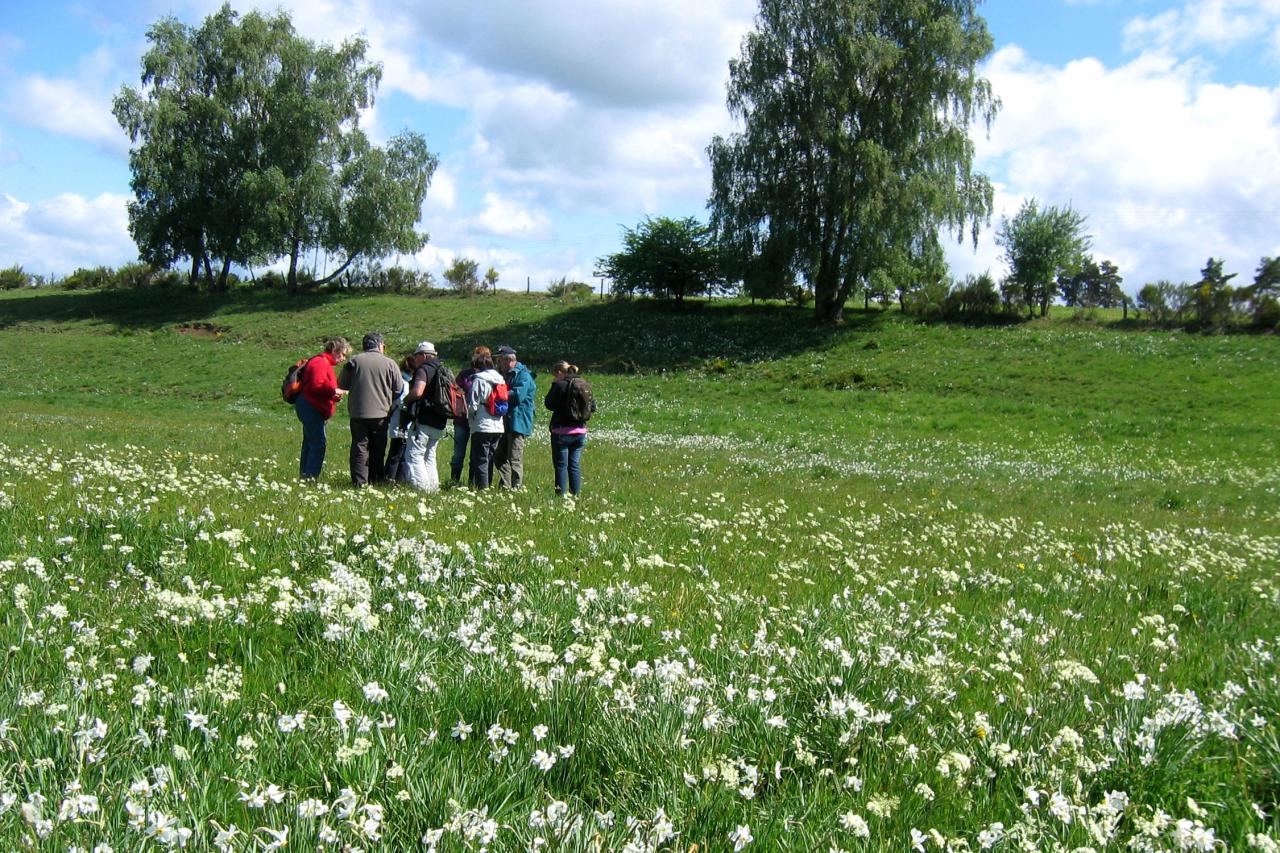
(528, 285)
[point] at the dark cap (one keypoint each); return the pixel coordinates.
(504, 350)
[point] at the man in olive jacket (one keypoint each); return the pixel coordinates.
(518, 423)
(374, 385)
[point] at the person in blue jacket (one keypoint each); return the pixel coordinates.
(518, 423)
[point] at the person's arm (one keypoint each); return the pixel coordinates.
(419, 386)
(397, 387)
(527, 388)
(476, 394)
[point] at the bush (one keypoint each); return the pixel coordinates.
(88, 279)
(798, 295)
(272, 280)
(928, 301)
(16, 277)
(1267, 314)
(976, 298)
(463, 275)
(574, 291)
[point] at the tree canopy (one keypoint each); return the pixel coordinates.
(1042, 246)
(665, 257)
(464, 275)
(247, 149)
(855, 147)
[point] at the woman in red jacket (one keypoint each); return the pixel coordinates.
(317, 402)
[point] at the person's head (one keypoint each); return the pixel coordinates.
(425, 352)
(409, 364)
(482, 362)
(373, 342)
(481, 350)
(337, 347)
(505, 357)
(562, 368)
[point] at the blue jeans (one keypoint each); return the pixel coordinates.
(314, 442)
(461, 438)
(566, 458)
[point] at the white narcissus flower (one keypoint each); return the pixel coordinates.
(741, 837)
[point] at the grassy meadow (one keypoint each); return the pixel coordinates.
(885, 587)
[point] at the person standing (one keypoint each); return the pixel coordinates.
(426, 427)
(518, 423)
(373, 383)
(316, 404)
(461, 426)
(486, 428)
(394, 470)
(571, 403)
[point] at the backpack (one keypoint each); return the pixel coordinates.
(444, 395)
(498, 400)
(291, 387)
(580, 401)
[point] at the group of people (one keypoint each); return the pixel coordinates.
(400, 412)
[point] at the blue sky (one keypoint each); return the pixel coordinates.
(559, 123)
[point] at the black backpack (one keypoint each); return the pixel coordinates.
(581, 403)
(444, 396)
(292, 385)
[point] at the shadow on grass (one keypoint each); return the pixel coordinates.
(622, 336)
(147, 309)
(645, 336)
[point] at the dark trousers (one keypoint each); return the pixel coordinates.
(314, 444)
(510, 460)
(394, 470)
(368, 450)
(461, 438)
(484, 446)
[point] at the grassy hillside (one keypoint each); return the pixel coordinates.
(860, 588)
(1059, 401)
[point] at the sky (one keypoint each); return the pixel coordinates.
(557, 124)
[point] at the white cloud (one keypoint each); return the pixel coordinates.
(632, 53)
(59, 234)
(1216, 24)
(1169, 167)
(507, 218)
(70, 107)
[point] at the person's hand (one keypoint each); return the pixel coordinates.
(340, 393)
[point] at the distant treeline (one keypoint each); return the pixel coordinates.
(460, 278)
(1209, 304)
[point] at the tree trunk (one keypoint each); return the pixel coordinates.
(337, 272)
(222, 274)
(208, 271)
(828, 307)
(294, 246)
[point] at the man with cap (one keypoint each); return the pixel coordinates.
(373, 384)
(427, 426)
(518, 423)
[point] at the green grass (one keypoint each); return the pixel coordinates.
(989, 574)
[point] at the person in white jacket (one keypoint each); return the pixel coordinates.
(486, 429)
